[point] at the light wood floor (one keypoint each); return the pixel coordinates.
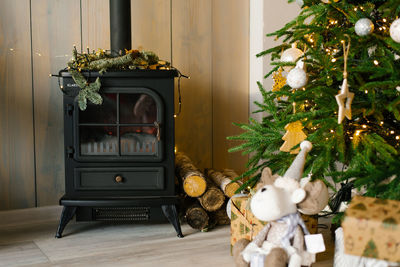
(27, 239)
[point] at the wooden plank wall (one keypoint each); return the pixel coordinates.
(17, 180)
(192, 42)
(230, 83)
(53, 36)
(207, 40)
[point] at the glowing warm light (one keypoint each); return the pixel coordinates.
(175, 150)
(384, 20)
(366, 91)
(333, 60)
(358, 132)
(397, 137)
(364, 126)
(376, 62)
(391, 132)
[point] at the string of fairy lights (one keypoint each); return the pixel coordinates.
(388, 128)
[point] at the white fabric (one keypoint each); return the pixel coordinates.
(314, 243)
(292, 220)
(257, 260)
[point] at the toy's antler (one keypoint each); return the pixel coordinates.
(295, 170)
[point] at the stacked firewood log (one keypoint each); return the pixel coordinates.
(205, 194)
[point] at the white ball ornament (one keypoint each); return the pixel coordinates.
(364, 27)
(291, 55)
(306, 146)
(395, 30)
(300, 2)
(297, 78)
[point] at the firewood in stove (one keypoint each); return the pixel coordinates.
(194, 182)
(213, 198)
(223, 181)
(196, 217)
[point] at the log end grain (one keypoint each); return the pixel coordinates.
(197, 217)
(231, 189)
(212, 199)
(194, 186)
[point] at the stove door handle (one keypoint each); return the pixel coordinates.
(157, 125)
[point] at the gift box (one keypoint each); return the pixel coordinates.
(371, 228)
(245, 225)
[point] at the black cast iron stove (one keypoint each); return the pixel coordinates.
(119, 156)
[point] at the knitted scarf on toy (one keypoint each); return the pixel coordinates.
(292, 220)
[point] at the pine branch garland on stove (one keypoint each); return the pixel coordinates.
(101, 65)
(101, 61)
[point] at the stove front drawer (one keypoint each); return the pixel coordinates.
(127, 178)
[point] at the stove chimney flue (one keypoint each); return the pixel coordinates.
(120, 26)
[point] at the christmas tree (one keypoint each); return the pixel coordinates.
(337, 73)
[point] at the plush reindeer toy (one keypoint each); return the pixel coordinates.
(278, 201)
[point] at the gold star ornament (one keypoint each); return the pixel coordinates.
(344, 100)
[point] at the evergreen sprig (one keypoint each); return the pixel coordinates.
(358, 150)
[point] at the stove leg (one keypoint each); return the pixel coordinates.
(67, 214)
(172, 216)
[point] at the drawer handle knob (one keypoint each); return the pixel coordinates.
(118, 179)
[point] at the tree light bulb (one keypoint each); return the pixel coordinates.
(376, 62)
(397, 137)
(364, 126)
(366, 91)
(391, 132)
(333, 60)
(384, 20)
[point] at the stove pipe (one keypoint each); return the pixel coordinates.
(120, 26)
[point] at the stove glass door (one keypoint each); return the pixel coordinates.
(126, 126)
